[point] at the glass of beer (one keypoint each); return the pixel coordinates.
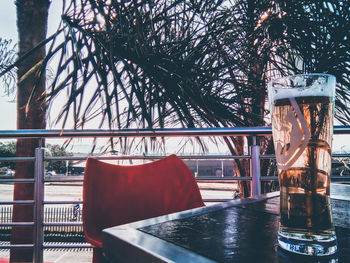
(302, 128)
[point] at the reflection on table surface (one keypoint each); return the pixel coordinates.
(237, 231)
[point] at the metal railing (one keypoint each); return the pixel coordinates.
(39, 159)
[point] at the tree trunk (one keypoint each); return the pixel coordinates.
(32, 26)
(255, 62)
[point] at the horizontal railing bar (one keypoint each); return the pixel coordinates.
(337, 129)
(344, 177)
(143, 157)
(186, 157)
(178, 132)
(63, 224)
(22, 202)
(62, 202)
(16, 159)
(62, 158)
(18, 224)
(263, 178)
(267, 156)
(217, 200)
(214, 180)
(29, 180)
(16, 246)
(272, 156)
(268, 178)
(340, 155)
(199, 178)
(235, 178)
(50, 180)
(45, 246)
(146, 157)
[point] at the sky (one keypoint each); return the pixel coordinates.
(8, 30)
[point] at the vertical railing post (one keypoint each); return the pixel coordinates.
(38, 206)
(255, 168)
(222, 168)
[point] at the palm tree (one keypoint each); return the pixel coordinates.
(31, 113)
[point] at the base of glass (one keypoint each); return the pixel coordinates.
(309, 245)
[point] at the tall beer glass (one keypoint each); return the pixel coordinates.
(302, 128)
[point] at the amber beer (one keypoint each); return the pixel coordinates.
(302, 122)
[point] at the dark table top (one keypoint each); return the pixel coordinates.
(236, 231)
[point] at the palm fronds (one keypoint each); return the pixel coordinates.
(7, 57)
(318, 32)
(146, 65)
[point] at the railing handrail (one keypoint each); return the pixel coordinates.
(148, 157)
(176, 132)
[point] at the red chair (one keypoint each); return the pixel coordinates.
(115, 194)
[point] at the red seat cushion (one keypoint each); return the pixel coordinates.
(115, 194)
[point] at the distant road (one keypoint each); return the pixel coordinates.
(53, 192)
(72, 191)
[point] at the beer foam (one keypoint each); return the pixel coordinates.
(299, 92)
(296, 86)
